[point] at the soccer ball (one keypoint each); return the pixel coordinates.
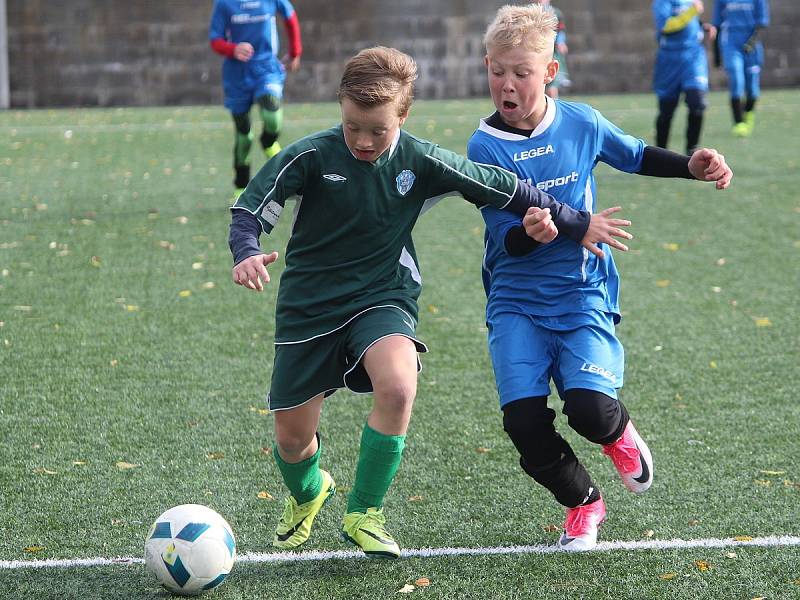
(190, 549)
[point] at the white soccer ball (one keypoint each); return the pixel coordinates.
(190, 549)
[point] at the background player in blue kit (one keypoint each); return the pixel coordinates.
(552, 308)
(245, 33)
(681, 67)
(742, 52)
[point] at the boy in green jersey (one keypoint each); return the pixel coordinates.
(347, 303)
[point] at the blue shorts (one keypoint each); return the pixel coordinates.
(244, 82)
(575, 351)
(679, 70)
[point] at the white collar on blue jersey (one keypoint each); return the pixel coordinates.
(549, 117)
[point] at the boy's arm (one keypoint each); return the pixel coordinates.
(705, 164)
(258, 208)
(292, 25)
(489, 185)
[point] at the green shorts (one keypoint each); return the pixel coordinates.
(322, 365)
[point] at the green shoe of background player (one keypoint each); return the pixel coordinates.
(295, 524)
(750, 119)
(272, 150)
(741, 130)
(368, 533)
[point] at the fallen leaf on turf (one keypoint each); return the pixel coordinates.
(796, 582)
(114, 362)
(713, 364)
(265, 496)
(131, 307)
(185, 293)
(215, 455)
(482, 450)
(662, 283)
(265, 450)
(32, 549)
(702, 565)
(406, 589)
(422, 582)
(760, 598)
(649, 533)
(720, 262)
(551, 528)
(44, 471)
(774, 472)
(415, 498)
(730, 554)
(743, 538)
(197, 266)
(209, 285)
(693, 522)
(763, 322)
(433, 309)
(117, 522)
(672, 247)
(78, 463)
(667, 576)
(122, 465)
(764, 482)
(95, 261)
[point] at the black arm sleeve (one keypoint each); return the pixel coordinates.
(658, 162)
(519, 243)
(570, 222)
(243, 236)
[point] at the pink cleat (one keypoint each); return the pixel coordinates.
(580, 528)
(631, 457)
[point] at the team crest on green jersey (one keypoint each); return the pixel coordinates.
(404, 181)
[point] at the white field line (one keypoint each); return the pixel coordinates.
(284, 557)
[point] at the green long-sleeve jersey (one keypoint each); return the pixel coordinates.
(350, 247)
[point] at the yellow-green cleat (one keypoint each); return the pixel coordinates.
(295, 525)
(367, 531)
(750, 119)
(741, 129)
(236, 193)
(271, 151)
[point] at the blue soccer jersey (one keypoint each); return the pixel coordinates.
(250, 21)
(561, 277)
(741, 15)
(688, 36)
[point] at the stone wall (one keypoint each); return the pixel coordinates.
(149, 52)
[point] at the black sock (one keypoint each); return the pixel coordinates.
(736, 107)
(750, 104)
(694, 124)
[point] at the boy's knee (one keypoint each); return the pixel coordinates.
(395, 394)
(292, 441)
(696, 101)
(596, 416)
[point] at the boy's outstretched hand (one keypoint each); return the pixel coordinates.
(252, 271)
(539, 225)
(603, 229)
(707, 164)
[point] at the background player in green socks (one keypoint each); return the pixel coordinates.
(560, 51)
(246, 35)
(347, 304)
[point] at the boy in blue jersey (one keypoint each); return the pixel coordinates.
(739, 24)
(552, 308)
(681, 66)
(244, 32)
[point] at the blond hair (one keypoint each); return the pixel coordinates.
(379, 75)
(532, 27)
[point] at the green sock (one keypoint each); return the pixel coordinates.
(303, 479)
(378, 461)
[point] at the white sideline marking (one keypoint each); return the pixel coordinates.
(278, 557)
